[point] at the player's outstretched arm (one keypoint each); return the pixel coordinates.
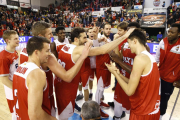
(60, 72)
(109, 46)
(120, 62)
(36, 83)
(130, 87)
(105, 48)
(6, 81)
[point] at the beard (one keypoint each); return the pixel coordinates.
(106, 35)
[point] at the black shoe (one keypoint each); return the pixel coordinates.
(111, 104)
(90, 96)
(114, 117)
(103, 97)
(77, 108)
(79, 97)
(113, 89)
(123, 114)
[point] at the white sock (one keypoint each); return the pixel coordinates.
(117, 110)
(90, 90)
(80, 92)
(160, 117)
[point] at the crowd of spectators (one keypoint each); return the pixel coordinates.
(21, 22)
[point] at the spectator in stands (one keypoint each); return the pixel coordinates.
(169, 9)
(140, 15)
(176, 17)
(152, 40)
(90, 111)
(159, 36)
(147, 35)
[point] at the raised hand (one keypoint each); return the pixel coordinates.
(114, 56)
(86, 49)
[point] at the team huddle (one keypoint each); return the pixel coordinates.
(141, 89)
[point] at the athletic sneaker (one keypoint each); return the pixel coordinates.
(104, 105)
(90, 96)
(122, 116)
(79, 97)
(111, 104)
(103, 115)
(77, 108)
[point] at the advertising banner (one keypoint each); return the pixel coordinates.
(157, 3)
(132, 11)
(95, 13)
(25, 5)
(22, 42)
(13, 3)
(25, 1)
(112, 8)
(153, 47)
(154, 20)
(3, 2)
(155, 10)
(137, 6)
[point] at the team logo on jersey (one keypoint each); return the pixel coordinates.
(177, 48)
(156, 3)
(66, 48)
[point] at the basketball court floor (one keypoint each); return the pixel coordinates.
(108, 97)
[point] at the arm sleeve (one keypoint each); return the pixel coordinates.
(157, 58)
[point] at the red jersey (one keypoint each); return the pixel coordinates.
(146, 99)
(23, 56)
(102, 59)
(8, 63)
(168, 58)
(49, 76)
(20, 91)
(121, 44)
(72, 24)
(128, 58)
(59, 45)
(63, 89)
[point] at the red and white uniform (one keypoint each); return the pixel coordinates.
(66, 92)
(146, 99)
(49, 76)
(102, 73)
(59, 45)
(120, 97)
(168, 58)
(8, 65)
(20, 91)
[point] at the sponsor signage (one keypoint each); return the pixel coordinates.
(154, 20)
(25, 5)
(132, 11)
(157, 3)
(137, 6)
(13, 3)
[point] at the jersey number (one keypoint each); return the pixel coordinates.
(62, 63)
(15, 94)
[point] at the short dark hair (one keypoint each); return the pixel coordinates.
(106, 24)
(39, 28)
(139, 35)
(35, 43)
(89, 29)
(123, 25)
(76, 33)
(59, 28)
(134, 24)
(176, 25)
(90, 110)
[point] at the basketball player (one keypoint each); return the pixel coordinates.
(102, 73)
(87, 75)
(30, 86)
(144, 82)
(9, 63)
(68, 56)
(167, 55)
(44, 29)
(56, 44)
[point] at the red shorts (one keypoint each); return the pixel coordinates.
(144, 117)
(105, 75)
(65, 108)
(85, 79)
(91, 74)
(121, 97)
(9, 97)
